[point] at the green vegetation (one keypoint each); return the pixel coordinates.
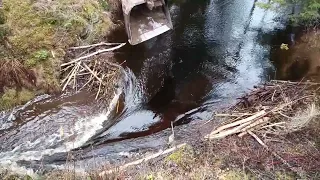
(182, 157)
(308, 16)
(38, 33)
(11, 97)
(236, 175)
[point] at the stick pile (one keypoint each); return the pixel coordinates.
(268, 109)
(88, 71)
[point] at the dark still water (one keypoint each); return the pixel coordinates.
(218, 50)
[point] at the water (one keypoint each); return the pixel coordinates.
(217, 51)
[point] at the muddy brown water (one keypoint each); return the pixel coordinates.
(217, 51)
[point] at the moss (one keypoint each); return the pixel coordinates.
(177, 156)
(25, 95)
(183, 157)
(236, 175)
(38, 27)
(4, 31)
(2, 17)
(12, 97)
(37, 58)
(284, 176)
(38, 33)
(8, 99)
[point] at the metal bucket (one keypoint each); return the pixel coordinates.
(145, 19)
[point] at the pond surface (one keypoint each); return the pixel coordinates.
(217, 51)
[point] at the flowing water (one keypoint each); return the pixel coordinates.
(218, 50)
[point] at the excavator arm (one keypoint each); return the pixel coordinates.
(145, 19)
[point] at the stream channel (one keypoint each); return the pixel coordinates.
(217, 51)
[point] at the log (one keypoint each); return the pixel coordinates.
(225, 133)
(253, 125)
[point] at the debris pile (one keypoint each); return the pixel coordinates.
(88, 71)
(276, 107)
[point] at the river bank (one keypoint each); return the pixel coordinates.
(292, 153)
(34, 41)
(292, 140)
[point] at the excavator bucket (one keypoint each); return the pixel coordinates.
(145, 19)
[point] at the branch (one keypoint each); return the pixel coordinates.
(93, 73)
(248, 119)
(94, 45)
(293, 169)
(161, 152)
(93, 54)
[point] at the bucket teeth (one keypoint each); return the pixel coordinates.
(151, 4)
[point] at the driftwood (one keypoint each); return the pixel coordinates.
(160, 153)
(250, 118)
(277, 100)
(275, 108)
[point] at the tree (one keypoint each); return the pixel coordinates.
(308, 14)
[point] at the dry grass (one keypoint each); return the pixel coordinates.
(16, 84)
(303, 118)
(14, 74)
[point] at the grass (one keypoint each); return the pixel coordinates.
(11, 97)
(38, 33)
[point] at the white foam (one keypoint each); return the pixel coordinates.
(84, 129)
